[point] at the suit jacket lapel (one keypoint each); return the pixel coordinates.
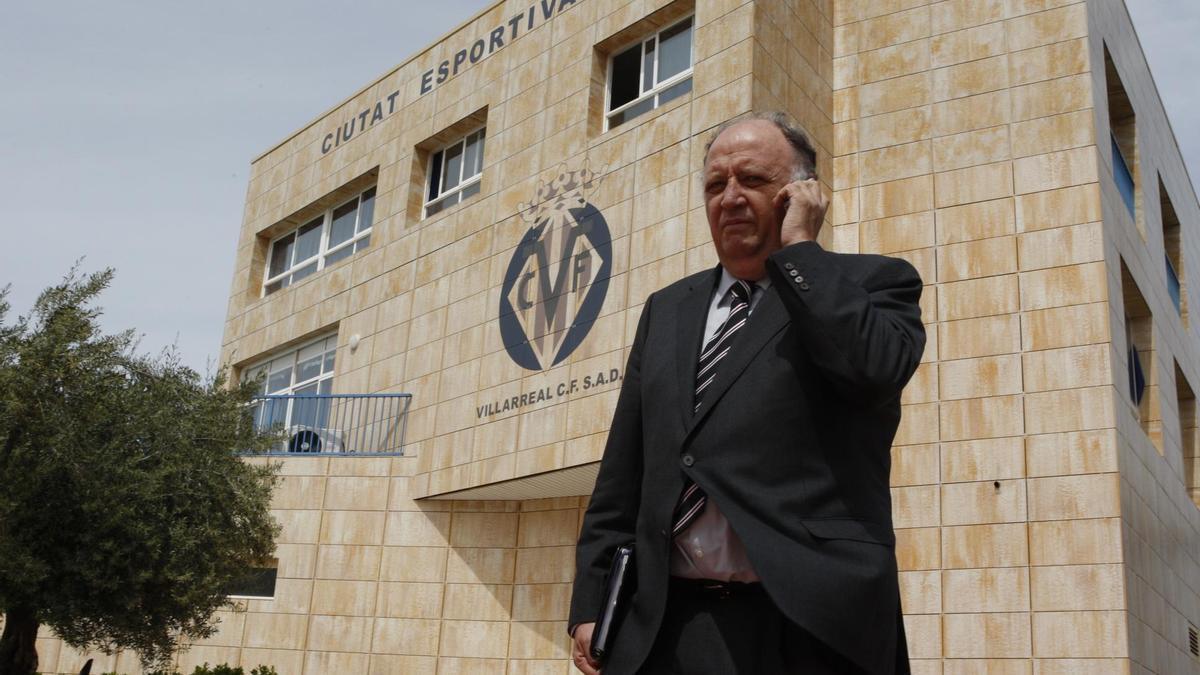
(690, 317)
(768, 318)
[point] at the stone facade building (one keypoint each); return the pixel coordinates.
(479, 227)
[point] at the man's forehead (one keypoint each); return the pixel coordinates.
(746, 158)
(740, 160)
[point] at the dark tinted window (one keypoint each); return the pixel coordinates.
(257, 582)
(626, 77)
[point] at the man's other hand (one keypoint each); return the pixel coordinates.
(803, 206)
(581, 650)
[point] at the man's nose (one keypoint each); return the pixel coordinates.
(733, 195)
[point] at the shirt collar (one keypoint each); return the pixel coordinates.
(727, 279)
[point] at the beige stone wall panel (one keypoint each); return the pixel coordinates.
(977, 259)
(915, 464)
(969, 113)
(953, 15)
(984, 459)
(975, 591)
(1037, 532)
(979, 546)
(977, 337)
(992, 635)
(971, 148)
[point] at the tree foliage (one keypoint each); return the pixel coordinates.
(124, 512)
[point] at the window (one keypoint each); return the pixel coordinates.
(258, 582)
(332, 236)
(650, 73)
(1140, 366)
(306, 371)
(1124, 142)
(1171, 249)
(454, 172)
(1188, 435)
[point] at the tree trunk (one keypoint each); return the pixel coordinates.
(18, 644)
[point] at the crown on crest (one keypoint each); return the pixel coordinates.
(568, 189)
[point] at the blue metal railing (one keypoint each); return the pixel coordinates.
(1173, 285)
(334, 424)
(1123, 176)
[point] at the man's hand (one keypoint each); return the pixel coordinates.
(581, 650)
(802, 206)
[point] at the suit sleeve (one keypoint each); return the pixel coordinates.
(611, 517)
(863, 328)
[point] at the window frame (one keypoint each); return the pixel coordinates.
(1126, 140)
(463, 184)
(1141, 353)
(1186, 419)
(322, 378)
(270, 565)
(324, 251)
(295, 351)
(659, 87)
(1134, 369)
(1173, 234)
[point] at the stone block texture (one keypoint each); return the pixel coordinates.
(1045, 508)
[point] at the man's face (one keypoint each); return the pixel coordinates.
(748, 164)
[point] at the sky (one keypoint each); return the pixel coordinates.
(127, 131)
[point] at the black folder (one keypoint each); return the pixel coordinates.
(619, 586)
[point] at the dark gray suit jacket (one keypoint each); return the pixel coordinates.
(792, 441)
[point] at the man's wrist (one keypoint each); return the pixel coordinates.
(796, 239)
(793, 246)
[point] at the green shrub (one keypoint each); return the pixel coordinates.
(223, 669)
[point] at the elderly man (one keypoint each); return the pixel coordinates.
(749, 452)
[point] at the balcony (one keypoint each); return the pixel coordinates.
(1123, 176)
(334, 424)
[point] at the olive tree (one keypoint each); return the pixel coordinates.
(124, 510)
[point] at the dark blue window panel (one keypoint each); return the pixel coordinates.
(1123, 177)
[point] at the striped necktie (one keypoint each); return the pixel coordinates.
(691, 502)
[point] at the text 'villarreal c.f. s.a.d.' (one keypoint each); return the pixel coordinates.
(558, 277)
(554, 290)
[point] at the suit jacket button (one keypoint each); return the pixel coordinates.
(688, 460)
(803, 287)
(794, 273)
(789, 266)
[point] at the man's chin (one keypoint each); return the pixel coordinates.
(750, 268)
(734, 246)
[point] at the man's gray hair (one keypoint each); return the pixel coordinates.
(806, 156)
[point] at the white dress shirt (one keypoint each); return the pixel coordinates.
(709, 548)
